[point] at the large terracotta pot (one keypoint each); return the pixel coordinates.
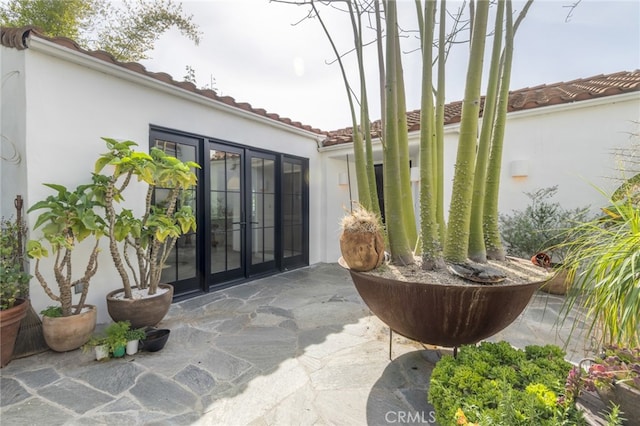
(558, 284)
(145, 312)
(9, 327)
(64, 334)
(443, 315)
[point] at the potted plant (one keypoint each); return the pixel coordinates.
(603, 260)
(494, 383)
(100, 347)
(13, 288)
(117, 337)
(66, 220)
(140, 245)
(614, 375)
(133, 337)
(538, 231)
(437, 307)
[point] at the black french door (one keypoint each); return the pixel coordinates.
(243, 212)
(252, 212)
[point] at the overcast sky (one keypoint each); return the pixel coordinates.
(257, 55)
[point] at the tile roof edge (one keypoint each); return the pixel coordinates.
(18, 38)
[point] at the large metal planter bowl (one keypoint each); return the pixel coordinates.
(443, 315)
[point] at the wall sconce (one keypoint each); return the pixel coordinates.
(415, 174)
(519, 168)
(343, 179)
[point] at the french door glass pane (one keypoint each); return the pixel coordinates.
(181, 263)
(262, 210)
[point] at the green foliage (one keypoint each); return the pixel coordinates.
(66, 219)
(166, 216)
(13, 280)
(494, 383)
(52, 311)
(116, 334)
(540, 227)
(127, 29)
(135, 334)
(603, 259)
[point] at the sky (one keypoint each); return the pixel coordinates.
(266, 53)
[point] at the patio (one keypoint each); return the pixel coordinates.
(295, 348)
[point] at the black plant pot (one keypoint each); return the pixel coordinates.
(155, 340)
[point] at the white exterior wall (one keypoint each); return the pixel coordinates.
(72, 101)
(568, 145)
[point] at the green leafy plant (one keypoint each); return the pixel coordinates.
(540, 227)
(603, 261)
(116, 334)
(14, 282)
(494, 383)
(147, 238)
(52, 311)
(135, 334)
(67, 218)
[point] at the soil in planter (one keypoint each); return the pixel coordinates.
(517, 271)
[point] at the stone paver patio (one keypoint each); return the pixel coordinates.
(299, 348)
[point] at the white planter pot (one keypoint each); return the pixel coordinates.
(102, 352)
(132, 347)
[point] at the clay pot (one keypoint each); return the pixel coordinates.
(145, 312)
(362, 251)
(9, 327)
(64, 334)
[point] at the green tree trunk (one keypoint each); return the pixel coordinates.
(457, 239)
(490, 214)
(431, 244)
(477, 251)
(401, 250)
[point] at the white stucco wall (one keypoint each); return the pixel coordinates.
(568, 145)
(73, 100)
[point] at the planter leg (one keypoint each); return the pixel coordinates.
(390, 343)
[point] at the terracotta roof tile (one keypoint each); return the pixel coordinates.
(17, 38)
(523, 99)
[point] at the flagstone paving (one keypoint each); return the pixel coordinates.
(299, 348)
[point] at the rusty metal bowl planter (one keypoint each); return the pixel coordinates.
(443, 315)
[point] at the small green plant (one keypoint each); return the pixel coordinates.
(494, 383)
(116, 334)
(52, 311)
(135, 334)
(540, 227)
(13, 280)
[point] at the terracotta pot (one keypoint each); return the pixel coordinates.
(362, 251)
(627, 397)
(558, 284)
(146, 312)
(9, 327)
(64, 334)
(443, 315)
